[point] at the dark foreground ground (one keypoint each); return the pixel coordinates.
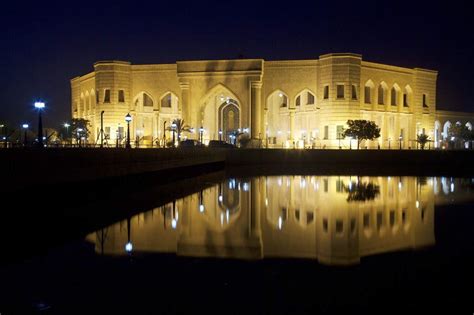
(72, 279)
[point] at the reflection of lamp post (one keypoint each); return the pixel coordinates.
(220, 135)
(164, 133)
(129, 245)
(40, 106)
(201, 131)
(201, 202)
(128, 119)
(173, 128)
(400, 138)
(102, 129)
(25, 126)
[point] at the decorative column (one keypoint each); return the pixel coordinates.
(292, 124)
(184, 105)
(256, 110)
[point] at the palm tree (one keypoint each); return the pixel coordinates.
(179, 127)
(422, 139)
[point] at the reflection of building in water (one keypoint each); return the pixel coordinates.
(287, 216)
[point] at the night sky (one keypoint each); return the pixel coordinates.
(45, 45)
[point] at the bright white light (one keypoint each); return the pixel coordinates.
(452, 187)
(220, 198)
(227, 215)
(66, 125)
(280, 222)
(350, 185)
(279, 181)
(128, 247)
(399, 185)
(25, 126)
(280, 94)
(128, 118)
(246, 187)
(39, 105)
(201, 208)
(222, 219)
(417, 204)
(303, 183)
(266, 202)
(173, 223)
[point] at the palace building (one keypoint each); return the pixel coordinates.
(292, 103)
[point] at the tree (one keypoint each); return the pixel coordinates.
(458, 133)
(362, 130)
(80, 128)
(179, 128)
(422, 139)
(359, 191)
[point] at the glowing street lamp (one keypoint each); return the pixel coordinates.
(128, 119)
(400, 138)
(40, 106)
(66, 125)
(25, 126)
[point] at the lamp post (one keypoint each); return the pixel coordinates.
(128, 119)
(25, 141)
(201, 131)
(173, 128)
(78, 139)
(102, 129)
(4, 129)
(129, 245)
(164, 134)
(389, 142)
(220, 135)
(39, 106)
(66, 125)
(400, 138)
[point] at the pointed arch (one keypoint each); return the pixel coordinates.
(279, 98)
(437, 133)
(305, 97)
(382, 93)
(394, 95)
(220, 88)
(446, 127)
(169, 100)
(368, 91)
(143, 99)
(407, 96)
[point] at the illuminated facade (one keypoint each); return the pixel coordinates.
(297, 103)
(314, 217)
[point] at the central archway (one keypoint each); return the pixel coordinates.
(229, 118)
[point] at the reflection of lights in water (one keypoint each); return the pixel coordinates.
(238, 186)
(266, 202)
(399, 185)
(317, 186)
(280, 222)
(287, 182)
(389, 178)
(350, 185)
(128, 247)
(452, 187)
(201, 208)
(222, 219)
(279, 181)
(173, 223)
(246, 187)
(303, 183)
(227, 215)
(220, 198)
(417, 204)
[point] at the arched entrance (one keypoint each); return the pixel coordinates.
(229, 118)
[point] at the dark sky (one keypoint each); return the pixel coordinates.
(44, 45)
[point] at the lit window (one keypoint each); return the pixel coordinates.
(107, 96)
(340, 91)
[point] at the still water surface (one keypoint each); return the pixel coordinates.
(336, 220)
(268, 245)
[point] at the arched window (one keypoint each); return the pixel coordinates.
(278, 98)
(394, 97)
(169, 100)
(407, 96)
(446, 127)
(381, 94)
(147, 101)
(305, 97)
(368, 88)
